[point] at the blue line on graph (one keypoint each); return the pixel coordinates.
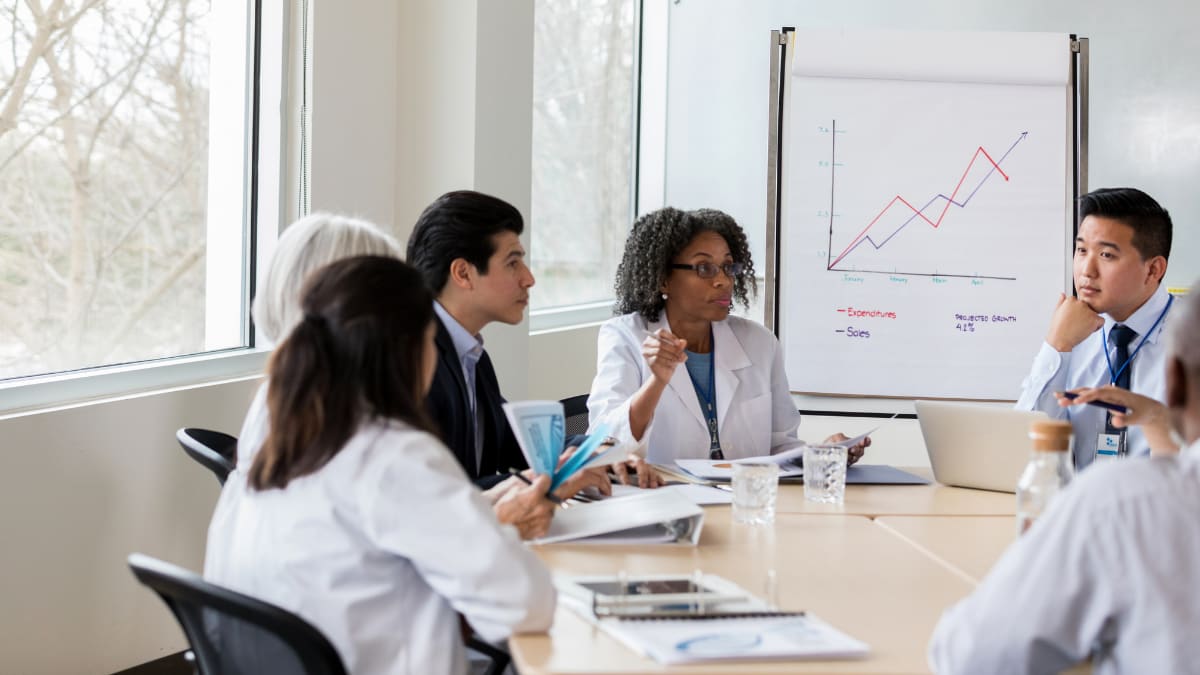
(937, 197)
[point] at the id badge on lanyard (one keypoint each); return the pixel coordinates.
(1110, 446)
(1111, 443)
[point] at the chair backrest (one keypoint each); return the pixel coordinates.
(576, 413)
(216, 451)
(231, 633)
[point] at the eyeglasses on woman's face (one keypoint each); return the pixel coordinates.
(707, 270)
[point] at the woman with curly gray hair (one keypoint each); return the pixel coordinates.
(678, 279)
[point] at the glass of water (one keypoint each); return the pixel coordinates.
(755, 485)
(825, 474)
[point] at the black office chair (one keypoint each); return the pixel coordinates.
(499, 659)
(216, 451)
(576, 413)
(231, 633)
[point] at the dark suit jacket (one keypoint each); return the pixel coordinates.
(450, 408)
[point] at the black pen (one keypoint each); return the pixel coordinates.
(521, 477)
(1071, 396)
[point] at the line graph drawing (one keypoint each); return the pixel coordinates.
(918, 214)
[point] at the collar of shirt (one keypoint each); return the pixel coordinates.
(1142, 320)
(469, 347)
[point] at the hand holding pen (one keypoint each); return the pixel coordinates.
(540, 480)
(528, 508)
(1128, 409)
(1091, 397)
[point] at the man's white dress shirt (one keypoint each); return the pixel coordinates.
(1111, 570)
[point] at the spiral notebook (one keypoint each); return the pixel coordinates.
(731, 625)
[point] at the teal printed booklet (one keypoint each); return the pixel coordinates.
(709, 619)
(540, 428)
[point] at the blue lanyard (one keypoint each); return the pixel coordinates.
(1108, 359)
(709, 400)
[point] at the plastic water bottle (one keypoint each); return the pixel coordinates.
(1047, 473)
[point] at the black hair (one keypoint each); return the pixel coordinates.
(459, 224)
(653, 243)
(1150, 222)
(357, 354)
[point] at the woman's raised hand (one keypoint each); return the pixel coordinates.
(663, 353)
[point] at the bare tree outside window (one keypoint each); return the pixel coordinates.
(583, 93)
(104, 115)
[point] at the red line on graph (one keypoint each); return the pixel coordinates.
(934, 224)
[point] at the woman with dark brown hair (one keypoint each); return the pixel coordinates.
(352, 514)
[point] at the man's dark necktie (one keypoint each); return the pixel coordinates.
(1120, 336)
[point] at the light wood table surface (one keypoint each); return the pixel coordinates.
(843, 568)
(967, 545)
(903, 500)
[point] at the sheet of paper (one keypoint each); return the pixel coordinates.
(720, 470)
(851, 442)
(701, 495)
(672, 641)
(789, 461)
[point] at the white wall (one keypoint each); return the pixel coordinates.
(354, 102)
(81, 489)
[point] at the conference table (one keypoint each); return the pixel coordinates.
(882, 567)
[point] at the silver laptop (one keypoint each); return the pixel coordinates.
(976, 446)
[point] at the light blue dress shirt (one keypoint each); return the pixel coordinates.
(470, 350)
(1085, 366)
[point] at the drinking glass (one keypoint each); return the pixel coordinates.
(825, 474)
(754, 488)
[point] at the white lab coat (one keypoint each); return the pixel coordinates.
(755, 412)
(380, 549)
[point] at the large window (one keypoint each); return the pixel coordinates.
(583, 147)
(125, 133)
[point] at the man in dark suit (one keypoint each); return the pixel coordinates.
(467, 246)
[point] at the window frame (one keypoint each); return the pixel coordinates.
(269, 189)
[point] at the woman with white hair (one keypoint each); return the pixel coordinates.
(304, 247)
(308, 244)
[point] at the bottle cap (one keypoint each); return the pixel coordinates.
(1051, 435)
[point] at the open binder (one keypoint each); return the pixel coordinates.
(716, 621)
(653, 517)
